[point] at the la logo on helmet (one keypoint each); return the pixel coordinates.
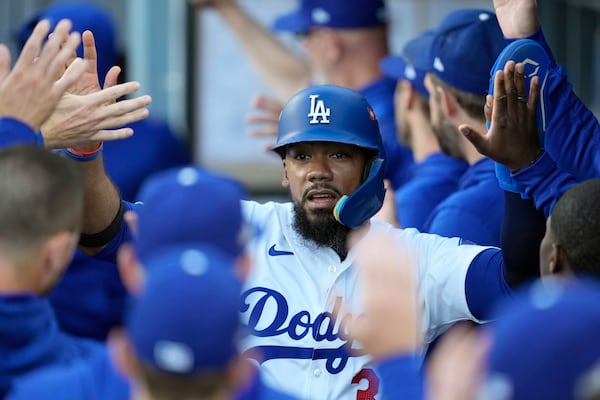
(318, 110)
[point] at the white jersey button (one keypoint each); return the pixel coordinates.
(332, 268)
(317, 372)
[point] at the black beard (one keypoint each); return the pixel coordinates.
(324, 230)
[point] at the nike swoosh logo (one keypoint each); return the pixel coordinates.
(273, 252)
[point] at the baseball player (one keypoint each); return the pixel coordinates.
(303, 278)
(295, 298)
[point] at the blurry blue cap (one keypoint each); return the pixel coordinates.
(190, 205)
(403, 67)
(343, 14)
(186, 320)
(463, 49)
(544, 343)
(84, 16)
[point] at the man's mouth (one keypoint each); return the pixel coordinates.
(321, 198)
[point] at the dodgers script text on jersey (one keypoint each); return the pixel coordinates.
(298, 299)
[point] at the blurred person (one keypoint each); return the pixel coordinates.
(466, 39)
(344, 43)
(435, 174)
(154, 147)
(41, 209)
(170, 357)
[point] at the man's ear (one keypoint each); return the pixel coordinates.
(122, 354)
(285, 182)
(130, 269)
(448, 103)
(58, 251)
(559, 263)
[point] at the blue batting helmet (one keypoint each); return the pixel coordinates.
(330, 113)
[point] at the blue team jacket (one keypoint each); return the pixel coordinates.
(475, 211)
(30, 340)
(434, 179)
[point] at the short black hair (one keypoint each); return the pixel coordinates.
(575, 223)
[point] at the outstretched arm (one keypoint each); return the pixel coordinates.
(103, 207)
(517, 18)
(278, 67)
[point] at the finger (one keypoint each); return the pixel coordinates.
(4, 62)
(108, 135)
(89, 50)
(488, 108)
(268, 131)
(33, 44)
(499, 103)
(131, 219)
(266, 103)
(520, 80)
(118, 121)
(53, 45)
(261, 118)
(114, 92)
(56, 68)
(509, 86)
(478, 139)
(534, 94)
(71, 75)
(112, 76)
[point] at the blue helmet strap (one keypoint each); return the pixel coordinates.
(354, 209)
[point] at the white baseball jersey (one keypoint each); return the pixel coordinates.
(292, 304)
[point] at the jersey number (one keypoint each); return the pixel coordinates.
(372, 384)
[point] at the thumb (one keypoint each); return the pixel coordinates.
(477, 139)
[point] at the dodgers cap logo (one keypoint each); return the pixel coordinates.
(318, 110)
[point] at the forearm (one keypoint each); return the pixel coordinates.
(102, 201)
(277, 66)
(523, 228)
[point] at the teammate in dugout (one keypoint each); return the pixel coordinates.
(303, 278)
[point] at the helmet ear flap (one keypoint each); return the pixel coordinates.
(353, 210)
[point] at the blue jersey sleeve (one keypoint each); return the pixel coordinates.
(13, 131)
(544, 182)
(402, 377)
(572, 131)
(485, 284)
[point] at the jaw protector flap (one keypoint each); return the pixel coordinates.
(354, 209)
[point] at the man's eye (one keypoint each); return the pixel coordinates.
(301, 157)
(339, 155)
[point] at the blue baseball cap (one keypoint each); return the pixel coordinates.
(544, 342)
(190, 205)
(186, 320)
(463, 49)
(343, 14)
(403, 67)
(84, 16)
